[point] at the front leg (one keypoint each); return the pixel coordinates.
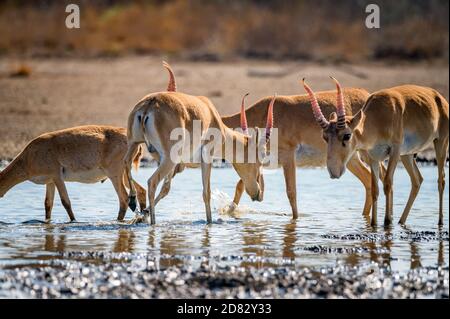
(119, 187)
(375, 173)
(237, 195)
(49, 199)
(388, 182)
(206, 177)
(288, 163)
(358, 169)
(61, 187)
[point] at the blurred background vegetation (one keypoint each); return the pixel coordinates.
(319, 30)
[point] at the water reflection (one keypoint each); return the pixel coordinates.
(253, 239)
(172, 243)
(55, 243)
(206, 242)
(289, 239)
(151, 242)
(415, 255)
(125, 241)
(441, 254)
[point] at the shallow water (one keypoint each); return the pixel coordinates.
(330, 229)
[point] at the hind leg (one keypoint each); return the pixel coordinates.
(161, 172)
(441, 148)
(141, 193)
(49, 199)
(165, 188)
(416, 180)
(119, 187)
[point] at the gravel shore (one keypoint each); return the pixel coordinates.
(106, 275)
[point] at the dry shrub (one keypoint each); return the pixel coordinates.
(415, 41)
(20, 70)
(316, 29)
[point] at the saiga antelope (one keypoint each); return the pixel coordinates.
(299, 139)
(157, 115)
(85, 154)
(396, 124)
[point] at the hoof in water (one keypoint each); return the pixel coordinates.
(132, 203)
(231, 208)
(147, 217)
(138, 218)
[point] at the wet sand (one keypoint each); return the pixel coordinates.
(61, 93)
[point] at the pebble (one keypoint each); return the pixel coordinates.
(75, 278)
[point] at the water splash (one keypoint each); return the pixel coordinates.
(225, 206)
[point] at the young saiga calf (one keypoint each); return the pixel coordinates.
(84, 154)
(396, 124)
(157, 115)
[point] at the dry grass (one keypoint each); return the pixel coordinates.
(68, 92)
(196, 29)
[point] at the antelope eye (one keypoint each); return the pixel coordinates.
(346, 137)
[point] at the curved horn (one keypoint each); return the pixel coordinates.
(339, 105)
(172, 86)
(318, 115)
(244, 125)
(269, 124)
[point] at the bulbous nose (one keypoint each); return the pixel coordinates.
(335, 174)
(258, 196)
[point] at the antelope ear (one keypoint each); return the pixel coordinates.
(356, 120)
(333, 117)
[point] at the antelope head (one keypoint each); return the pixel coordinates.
(251, 172)
(339, 132)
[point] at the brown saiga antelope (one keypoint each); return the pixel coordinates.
(158, 114)
(85, 154)
(396, 124)
(300, 141)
